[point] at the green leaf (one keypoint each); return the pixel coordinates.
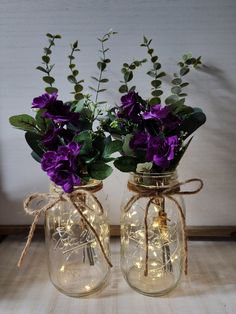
(83, 136)
(41, 69)
(75, 44)
(78, 96)
(192, 123)
(154, 101)
(51, 90)
(156, 83)
(49, 35)
(154, 59)
(101, 66)
(150, 51)
(47, 51)
(99, 170)
(58, 36)
(161, 74)
(78, 88)
(104, 80)
(46, 59)
(35, 156)
(126, 163)
(126, 148)
(184, 71)
(34, 140)
(145, 40)
(49, 79)
(41, 122)
(184, 84)
(71, 79)
(72, 65)
(112, 147)
(23, 122)
(171, 99)
(144, 167)
(176, 90)
(176, 81)
(157, 92)
(128, 76)
(123, 89)
(151, 73)
(156, 66)
(75, 72)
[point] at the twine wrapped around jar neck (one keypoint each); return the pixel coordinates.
(161, 191)
(54, 198)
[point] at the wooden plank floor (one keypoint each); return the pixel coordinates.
(210, 286)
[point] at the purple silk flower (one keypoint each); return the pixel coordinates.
(55, 110)
(162, 150)
(130, 107)
(61, 166)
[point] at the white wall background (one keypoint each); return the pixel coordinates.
(204, 27)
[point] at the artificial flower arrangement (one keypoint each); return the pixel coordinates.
(62, 135)
(154, 136)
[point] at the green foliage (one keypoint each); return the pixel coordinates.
(127, 71)
(24, 122)
(126, 163)
(99, 170)
(73, 77)
(102, 66)
(46, 66)
(34, 140)
(154, 72)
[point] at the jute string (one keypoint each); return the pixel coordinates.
(154, 192)
(74, 200)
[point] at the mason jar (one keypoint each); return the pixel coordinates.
(77, 241)
(152, 233)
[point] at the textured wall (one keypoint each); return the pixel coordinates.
(204, 27)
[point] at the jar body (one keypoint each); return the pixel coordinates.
(77, 266)
(152, 236)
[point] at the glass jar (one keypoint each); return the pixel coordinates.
(77, 241)
(152, 234)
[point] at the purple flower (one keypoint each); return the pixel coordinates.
(44, 101)
(61, 166)
(51, 140)
(156, 112)
(162, 150)
(55, 110)
(131, 107)
(162, 114)
(60, 113)
(139, 140)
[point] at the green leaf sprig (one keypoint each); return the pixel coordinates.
(72, 78)
(47, 66)
(127, 71)
(102, 65)
(154, 72)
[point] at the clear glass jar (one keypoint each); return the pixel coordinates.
(152, 236)
(77, 265)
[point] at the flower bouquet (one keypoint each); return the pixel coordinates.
(75, 154)
(154, 139)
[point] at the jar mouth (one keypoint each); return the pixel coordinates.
(152, 179)
(91, 185)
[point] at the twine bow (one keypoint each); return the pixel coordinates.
(74, 201)
(158, 191)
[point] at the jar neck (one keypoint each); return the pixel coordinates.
(92, 186)
(162, 180)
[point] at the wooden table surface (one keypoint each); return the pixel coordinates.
(210, 286)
